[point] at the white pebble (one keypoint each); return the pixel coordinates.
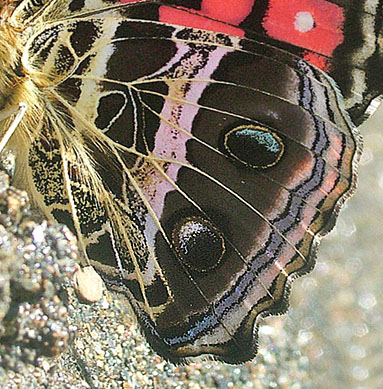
(89, 284)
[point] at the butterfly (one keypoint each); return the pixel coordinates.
(198, 149)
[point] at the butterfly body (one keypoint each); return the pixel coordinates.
(198, 167)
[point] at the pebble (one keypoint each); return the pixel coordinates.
(89, 284)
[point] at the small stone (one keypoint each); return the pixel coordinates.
(45, 365)
(89, 284)
(120, 329)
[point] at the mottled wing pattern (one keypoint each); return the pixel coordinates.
(197, 168)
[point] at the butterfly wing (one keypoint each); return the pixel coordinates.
(341, 38)
(197, 168)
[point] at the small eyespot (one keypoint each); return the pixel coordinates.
(199, 244)
(254, 146)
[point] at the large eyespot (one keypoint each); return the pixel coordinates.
(199, 244)
(254, 146)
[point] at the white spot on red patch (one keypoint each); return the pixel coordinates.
(322, 21)
(304, 21)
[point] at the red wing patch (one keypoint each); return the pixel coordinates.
(316, 25)
(229, 11)
(215, 15)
